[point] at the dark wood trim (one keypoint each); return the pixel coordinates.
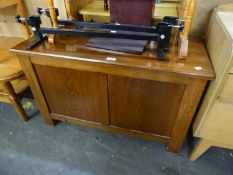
(110, 69)
(36, 90)
(155, 137)
(74, 49)
(190, 101)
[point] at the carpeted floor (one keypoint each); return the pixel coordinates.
(34, 148)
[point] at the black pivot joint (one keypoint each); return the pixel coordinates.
(34, 22)
(41, 11)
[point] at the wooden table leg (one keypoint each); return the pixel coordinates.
(15, 101)
(85, 18)
(35, 87)
(202, 146)
(191, 98)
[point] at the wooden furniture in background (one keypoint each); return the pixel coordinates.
(20, 9)
(225, 7)
(127, 12)
(202, 15)
(70, 9)
(184, 9)
(53, 17)
(130, 94)
(214, 122)
(188, 12)
(187, 15)
(12, 80)
(8, 26)
(201, 18)
(96, 9)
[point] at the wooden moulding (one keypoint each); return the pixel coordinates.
(134, 133)
(35, 87)
(69, 9)
(52, 37)
(188, 12)
(20, 8)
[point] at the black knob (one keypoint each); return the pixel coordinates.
(17, 19)
(33, 21)
(40, 11)
(171, 19)
(181, 27)
(57, 11)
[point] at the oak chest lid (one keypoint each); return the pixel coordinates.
(196, 65)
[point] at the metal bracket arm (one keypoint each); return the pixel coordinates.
(160, 33)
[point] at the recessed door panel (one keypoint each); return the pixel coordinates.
(74, 93)
(144, 105)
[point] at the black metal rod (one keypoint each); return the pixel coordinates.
(33, 44)
(111, 26)
(104, 34)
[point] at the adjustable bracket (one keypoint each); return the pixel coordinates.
(34, 22)
(160, 33)
(41, 11)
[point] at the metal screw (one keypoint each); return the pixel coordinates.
(33, 29)
(162, 36)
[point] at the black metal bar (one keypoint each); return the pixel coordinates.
(164, 31)
(111, 26)
(160, 33)
(33, 44)
(104, 34)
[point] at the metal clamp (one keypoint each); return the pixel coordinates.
(41, 11)
(161, 33)
(34, 22)
(175, 22)
(19, 19)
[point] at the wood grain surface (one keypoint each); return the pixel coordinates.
(78, 94)
(143, 105)
(113, 91)
(73, 48)
(35, 87)
(9, 64)
(214, 121)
